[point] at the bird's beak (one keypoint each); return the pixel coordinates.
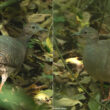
(76, 34)
(42, 29)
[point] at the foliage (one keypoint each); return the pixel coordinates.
(33, 77)
(73, 87)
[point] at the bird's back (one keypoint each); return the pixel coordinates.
(12, 52)
(97, 60)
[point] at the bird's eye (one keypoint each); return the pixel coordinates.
(85, 32)
(33, 27)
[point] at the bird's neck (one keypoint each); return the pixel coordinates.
(24, 38)
(86, 42)
(91, 41)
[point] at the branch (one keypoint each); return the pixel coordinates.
(8, 3)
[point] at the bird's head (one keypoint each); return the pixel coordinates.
(87, 33)
(32, 28)
(29, 30)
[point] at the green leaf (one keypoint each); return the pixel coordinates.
(49, 44)
(47, 76)
(93, 105)
(59, 19)
(46, 47)
(48, 92)
(85, 80)
(68, 102)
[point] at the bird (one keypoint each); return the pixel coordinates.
(96, 55)
(13, 51)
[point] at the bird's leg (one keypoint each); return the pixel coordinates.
(102, 89)
(108, 98)
(3, 79)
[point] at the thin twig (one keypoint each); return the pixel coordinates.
(106, 2)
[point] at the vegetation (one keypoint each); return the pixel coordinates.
(31, 88)
(74, 89)
(53, 74)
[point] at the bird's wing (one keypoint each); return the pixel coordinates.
(12, 52)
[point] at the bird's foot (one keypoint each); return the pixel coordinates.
(1, 88)
(106, 99)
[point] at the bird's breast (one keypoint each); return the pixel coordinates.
(95, 61)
